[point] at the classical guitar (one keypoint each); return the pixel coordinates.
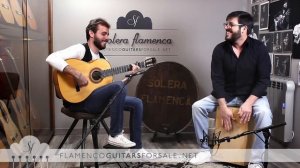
(17, 12)
(6, 12)
(12, 133)
(98, 72)
(20, 111)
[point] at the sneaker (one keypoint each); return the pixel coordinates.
(120, 141)
(255, 165)
(202, 157)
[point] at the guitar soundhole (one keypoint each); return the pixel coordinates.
(96, 75)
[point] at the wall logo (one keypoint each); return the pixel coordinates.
(29, 149)
(135, 36)
(134, 20)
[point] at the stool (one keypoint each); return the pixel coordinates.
(85, 116)
(243, 142)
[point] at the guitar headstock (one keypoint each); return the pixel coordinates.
(149, 62)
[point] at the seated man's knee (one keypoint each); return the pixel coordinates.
(119, 84)
(197, 107)
(264, 115)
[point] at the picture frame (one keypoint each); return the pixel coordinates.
(282, 65)
(277, 42)
(296, 42)
(267, 39)
(264, 16)
(279, 15)
(254, 32)
(287, 41)
(255, 13)
(255, 1)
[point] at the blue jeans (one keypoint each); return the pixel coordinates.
(261, 114)
(98, 100)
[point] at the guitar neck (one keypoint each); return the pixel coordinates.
(120, 69)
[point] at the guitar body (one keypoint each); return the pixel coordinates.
(11, 131)
(20, 112)
(6, 12)
(65, 84)
(98, 72)
(17, 12)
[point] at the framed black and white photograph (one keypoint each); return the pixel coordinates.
(279, 15)
(254, 12)
(267, 39)
(282, 65)
(287, 41)
(295, 13)
(273, 0)
(271, 59)
(254, 32)
(255, 1)
(296, 42)
(277, 48)
(264, 16)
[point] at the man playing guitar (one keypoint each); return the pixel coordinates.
(281, 19)
(97, 32)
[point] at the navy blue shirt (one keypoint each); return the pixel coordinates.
(248, 74)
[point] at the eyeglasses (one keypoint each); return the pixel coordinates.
(230, 24)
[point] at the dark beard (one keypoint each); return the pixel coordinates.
(235, 36)
(97, 43)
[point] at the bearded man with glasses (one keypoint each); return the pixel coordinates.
(240, 74)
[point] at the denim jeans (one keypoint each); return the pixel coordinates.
(98, 100)
(261, 113)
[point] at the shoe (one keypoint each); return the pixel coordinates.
(201, 157)
(255, 165)
(120, 141)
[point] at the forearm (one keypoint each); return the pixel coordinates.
(72, 71)
(251, 100)
(222, 103)
(56, 62)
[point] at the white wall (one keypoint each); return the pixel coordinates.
(199, 25)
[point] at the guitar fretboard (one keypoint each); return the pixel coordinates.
(120, 69)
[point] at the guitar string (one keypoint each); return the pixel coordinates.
(116, 70)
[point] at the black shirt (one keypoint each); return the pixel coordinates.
(240, 77)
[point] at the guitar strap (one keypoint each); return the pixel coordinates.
(88, 55)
